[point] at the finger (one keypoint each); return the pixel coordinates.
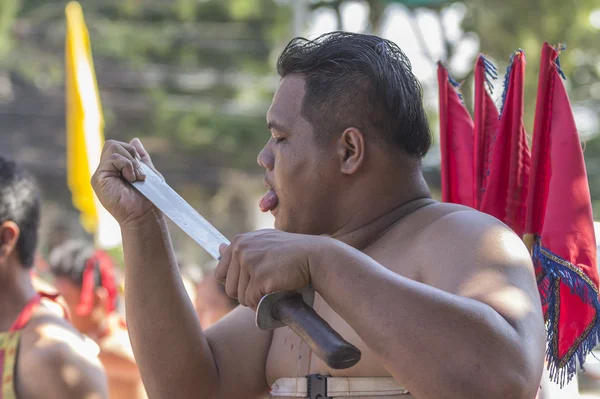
(117, 146)
(123, 165)
(144, 155)
(244, 279)
(127, 151)
(223, 266)
(223, 248)
(233, 275)
(253, 294)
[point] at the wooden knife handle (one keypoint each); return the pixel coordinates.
(323, 340)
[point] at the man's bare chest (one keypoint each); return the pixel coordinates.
(289, 356)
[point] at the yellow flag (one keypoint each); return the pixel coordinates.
(85, 123)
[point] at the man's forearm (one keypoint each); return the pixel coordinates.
(173, 355)
(438, 344)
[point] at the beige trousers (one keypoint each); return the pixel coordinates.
(340, 387)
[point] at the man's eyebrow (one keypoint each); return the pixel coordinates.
(277, 126)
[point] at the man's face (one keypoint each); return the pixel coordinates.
(71, 293)
(303, 175)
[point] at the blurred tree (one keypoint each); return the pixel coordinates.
(503, 27)
(198, 73)
(193, 77)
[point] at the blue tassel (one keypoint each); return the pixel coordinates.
(452, 81)
(456, 85)
(507, 79)
(491, 73)
(561, 73)
(556, 271)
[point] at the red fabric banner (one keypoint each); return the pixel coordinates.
(560, 221)
(486, 125)
(456, 143)
(506, 185)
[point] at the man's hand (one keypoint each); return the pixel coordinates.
(265, 261)
(119, 162)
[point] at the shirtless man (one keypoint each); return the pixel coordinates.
(93, 311)
(41, 355)
(440, 297)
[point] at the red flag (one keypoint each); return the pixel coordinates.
(456, 143)
(507, 177)
(561, 223)
(486, 125)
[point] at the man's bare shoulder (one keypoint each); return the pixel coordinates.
(57, 361)
(448, 224)
(462, 247)
(457, 226)
(449, 242)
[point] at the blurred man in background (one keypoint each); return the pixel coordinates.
(85, 277)
(212, 302)
(208, 296)
(41, 354)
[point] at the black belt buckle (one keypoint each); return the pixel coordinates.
(317, 386)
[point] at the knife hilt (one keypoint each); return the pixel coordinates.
(329, 346)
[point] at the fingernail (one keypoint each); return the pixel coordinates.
(140, 172)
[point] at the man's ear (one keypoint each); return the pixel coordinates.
(351, 150)
(9, 235)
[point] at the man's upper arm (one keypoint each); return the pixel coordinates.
(478, 257)
(61, 365)
(240, 350)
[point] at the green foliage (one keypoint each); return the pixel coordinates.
(8, 13)
(191, 70)
(201, 73)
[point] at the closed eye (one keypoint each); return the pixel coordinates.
(279, 139)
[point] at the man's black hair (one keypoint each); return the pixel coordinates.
(362, 81)
(20, 203)
(69, 260)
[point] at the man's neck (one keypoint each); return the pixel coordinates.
(380, 209)
(15, 292)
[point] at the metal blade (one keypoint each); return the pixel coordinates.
(180, 212)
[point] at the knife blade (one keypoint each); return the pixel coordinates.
(180, 212)
(274, 310)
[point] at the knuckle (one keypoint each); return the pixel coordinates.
(245, 257)
(113, 145)
(252, 270)
(268, 287)
(231, 292)
(253, 302)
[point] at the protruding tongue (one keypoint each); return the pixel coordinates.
(269, 201)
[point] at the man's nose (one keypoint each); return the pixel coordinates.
(266, 158)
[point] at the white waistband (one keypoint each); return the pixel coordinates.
(340, 387)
